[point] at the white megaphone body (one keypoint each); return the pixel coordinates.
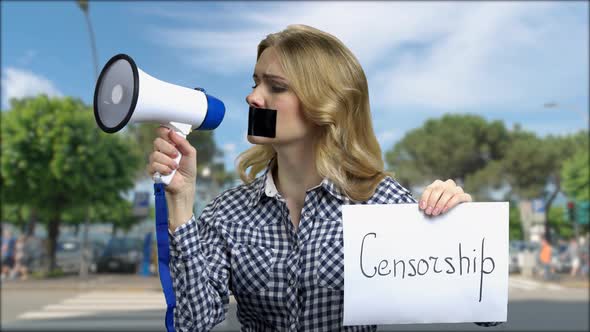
(125, 94)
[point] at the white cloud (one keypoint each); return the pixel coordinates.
(437, 57)
(386, 137)
(369, 29)
(498, 54)
(422, 59)
(19, 83)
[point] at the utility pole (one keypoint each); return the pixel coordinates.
(83, 4)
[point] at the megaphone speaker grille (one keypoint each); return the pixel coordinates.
(116, 93)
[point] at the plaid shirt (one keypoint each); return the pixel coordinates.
(283, 279)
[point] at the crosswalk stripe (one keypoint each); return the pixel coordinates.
(521, 286)
(526, 282)
(530, 285)
(554, 287)
(53, 315)
(99, 302)
(105, 307)
(129, 301)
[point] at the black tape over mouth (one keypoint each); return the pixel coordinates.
(262, 122)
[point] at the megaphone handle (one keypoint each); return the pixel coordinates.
(167, 178)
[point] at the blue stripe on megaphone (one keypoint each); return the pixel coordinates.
(215, 113)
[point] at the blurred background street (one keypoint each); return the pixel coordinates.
(114, 302)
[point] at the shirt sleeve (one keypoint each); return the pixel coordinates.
(199, 268)
(400, 194)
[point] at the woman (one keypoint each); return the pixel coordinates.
(21, 258)
(8, 244)
(264, 240)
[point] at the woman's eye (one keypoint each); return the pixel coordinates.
(274, 88)
(278, 89)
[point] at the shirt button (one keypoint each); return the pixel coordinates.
(292, 282)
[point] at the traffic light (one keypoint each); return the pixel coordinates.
(571, 211)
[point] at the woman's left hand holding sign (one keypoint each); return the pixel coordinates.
(440, 196)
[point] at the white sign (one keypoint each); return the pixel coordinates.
(402, 266)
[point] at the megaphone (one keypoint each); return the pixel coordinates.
(125, 94)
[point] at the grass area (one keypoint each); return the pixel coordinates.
(57, 273)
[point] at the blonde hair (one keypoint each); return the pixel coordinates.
(332, 88)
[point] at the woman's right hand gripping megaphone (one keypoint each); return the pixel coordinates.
(180, 192)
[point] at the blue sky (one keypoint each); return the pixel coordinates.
(501, 60)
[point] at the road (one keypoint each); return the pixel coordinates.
(532, 306)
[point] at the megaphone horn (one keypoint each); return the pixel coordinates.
(125, 94)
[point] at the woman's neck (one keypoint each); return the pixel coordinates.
(296, 171)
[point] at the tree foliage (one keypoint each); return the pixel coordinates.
(452, 147)
(485, 156)
(563, 227)
(575, 174)
(55, 160)
(515, 224)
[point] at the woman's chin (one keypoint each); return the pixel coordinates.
(259, 139)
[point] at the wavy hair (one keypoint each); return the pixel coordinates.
(332, 88)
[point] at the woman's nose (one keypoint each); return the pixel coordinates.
(255, 99)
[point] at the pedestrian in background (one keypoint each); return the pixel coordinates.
(21, 259)
(545, 258)
(574, 254)
(8, 243)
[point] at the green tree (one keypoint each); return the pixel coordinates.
(117, 211)
(453, 146)
(575, 175)
(15, 214)
(532, 165)
(55, 159)
(557, 221)
(515, 224)
(486, 156)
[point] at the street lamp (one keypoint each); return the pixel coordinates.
(83, 4)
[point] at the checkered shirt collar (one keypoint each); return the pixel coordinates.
(265, 185)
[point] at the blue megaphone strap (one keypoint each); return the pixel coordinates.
(164, 254)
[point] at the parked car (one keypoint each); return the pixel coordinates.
(68, 255)
(37, 247)
(516, 251)
(122, 254)
(561, 260)
(514, 265)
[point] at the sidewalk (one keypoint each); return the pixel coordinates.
(570, 282)
(127, 282)
(564, 280)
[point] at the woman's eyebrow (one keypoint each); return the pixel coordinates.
(270, 76)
